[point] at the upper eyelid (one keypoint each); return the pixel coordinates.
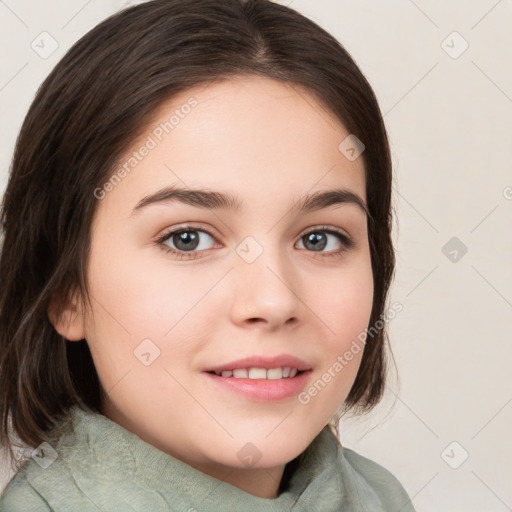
(187, 227)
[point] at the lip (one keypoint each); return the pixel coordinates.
(265, 390)
(279, 361)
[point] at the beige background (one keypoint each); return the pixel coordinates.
(449, 116)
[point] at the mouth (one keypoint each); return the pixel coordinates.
(261, 367)
(251, 384)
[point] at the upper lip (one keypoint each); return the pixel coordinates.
(280, 361)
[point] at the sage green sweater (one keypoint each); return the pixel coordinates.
(105, 467)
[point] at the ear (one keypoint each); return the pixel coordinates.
(69, 322)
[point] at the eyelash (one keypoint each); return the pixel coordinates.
(346, 241)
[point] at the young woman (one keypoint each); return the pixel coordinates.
(197, 245)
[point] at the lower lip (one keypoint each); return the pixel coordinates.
(264, 389)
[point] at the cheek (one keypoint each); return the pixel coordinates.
(344, 305)
(344, 311)
(133, 302)
(144, 297)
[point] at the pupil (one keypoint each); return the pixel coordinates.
(317, 240)
(185, 238)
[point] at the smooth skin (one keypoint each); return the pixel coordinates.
(268, 143)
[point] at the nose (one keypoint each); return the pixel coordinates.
(266, 292)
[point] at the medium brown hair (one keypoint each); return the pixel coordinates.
(91, 107)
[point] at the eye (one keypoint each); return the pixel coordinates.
(318, 240)
(186, 240)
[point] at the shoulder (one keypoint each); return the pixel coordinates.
(370, 475)
(20, 496)
(64, 471)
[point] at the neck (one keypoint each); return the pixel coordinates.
(260, 482)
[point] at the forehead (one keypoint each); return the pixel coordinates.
(253, 135)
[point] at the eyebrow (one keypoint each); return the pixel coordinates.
(211, 199)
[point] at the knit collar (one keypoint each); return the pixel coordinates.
(100, 449)
(102, 466)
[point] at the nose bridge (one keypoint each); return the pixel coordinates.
(265, 282)
(262, 255)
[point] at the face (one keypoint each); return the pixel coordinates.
(179, 287)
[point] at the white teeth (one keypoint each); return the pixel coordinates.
(260, 373)
(274, 373)
(257, 373)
